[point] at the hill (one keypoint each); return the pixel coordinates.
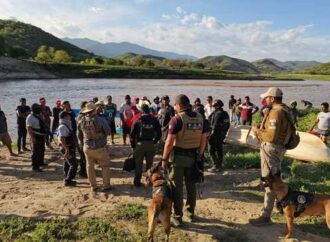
(322, 69)
(28, 38)
(268, 66)
(227, 63)
(292, 65)
(113, 49)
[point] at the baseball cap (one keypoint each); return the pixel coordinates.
(272, 92)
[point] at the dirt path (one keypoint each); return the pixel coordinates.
(230, 199)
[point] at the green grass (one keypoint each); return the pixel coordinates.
(130, 211)
(302, 76)
(311, 224)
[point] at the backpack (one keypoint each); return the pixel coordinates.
(294, 138)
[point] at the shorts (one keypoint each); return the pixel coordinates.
(126, 129)
(5, 138)
(112, 127)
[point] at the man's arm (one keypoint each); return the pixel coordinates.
(133, 134)
(65, 147)
(203, 143)
(255, 109)
(158, 129)
(168, 149)
(30, 131)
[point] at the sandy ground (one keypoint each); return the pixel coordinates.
(224, 206)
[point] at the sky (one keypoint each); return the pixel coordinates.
(247, 29)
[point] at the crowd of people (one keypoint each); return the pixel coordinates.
(183, 131)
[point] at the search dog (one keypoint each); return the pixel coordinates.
(159, 211)
(311, 204)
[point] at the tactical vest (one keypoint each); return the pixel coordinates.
(90, 129)
(189, 136)
(147, 129)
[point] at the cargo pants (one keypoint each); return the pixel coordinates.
(102, 157)
(143, 150)
(182, 170)
(271, 156)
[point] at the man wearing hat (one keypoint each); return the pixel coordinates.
(164, 116)
(273, 133)
(145, 133)
(67, 139)
(185, 143)
(92, 132)
(37, 130)
(220, 123)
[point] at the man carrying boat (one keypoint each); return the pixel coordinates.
(274, 133)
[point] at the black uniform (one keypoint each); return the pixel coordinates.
(145, 132)
(70, 164)
(219, 121)
(56, 120)
(21, 125)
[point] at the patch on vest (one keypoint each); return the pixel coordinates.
(301, 199)
(194, 126)
(272, 123)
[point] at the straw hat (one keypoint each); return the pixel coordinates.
(99, 103)
(141, 103)
(89, 108)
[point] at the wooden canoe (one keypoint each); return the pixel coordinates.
(310, 148)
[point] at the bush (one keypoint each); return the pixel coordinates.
(96, 229)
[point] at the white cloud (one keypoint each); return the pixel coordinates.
(181, 31)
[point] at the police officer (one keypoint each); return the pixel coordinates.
(37, 130)
(145, 133)
(67, 138)
(164, 116)
(220, 123)
(92, 132)
(274, 133)
(186, 141)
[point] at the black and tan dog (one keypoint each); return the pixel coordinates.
(294, 204)
(161, 205)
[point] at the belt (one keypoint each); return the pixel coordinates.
(185, 152)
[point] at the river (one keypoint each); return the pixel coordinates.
(77, 90)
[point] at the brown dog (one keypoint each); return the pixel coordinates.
(161, 205)
(296, 204)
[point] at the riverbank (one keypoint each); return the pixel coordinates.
(14, 69)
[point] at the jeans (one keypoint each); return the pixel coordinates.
(21, 140)
(237, 119)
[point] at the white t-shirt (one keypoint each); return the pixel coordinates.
(324, 120)
(33, 122)
(208, 110)
(125, 109)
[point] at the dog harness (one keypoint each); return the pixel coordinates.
(300, 200)
(162, 187)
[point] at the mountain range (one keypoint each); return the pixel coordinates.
(26, 38)
(113, 49)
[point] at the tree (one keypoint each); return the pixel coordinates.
(45, 53)
(2, 45)
(61, 56)
(149, 63)
(17, 51)
(138, 60)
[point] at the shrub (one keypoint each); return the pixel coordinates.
(130, 211)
